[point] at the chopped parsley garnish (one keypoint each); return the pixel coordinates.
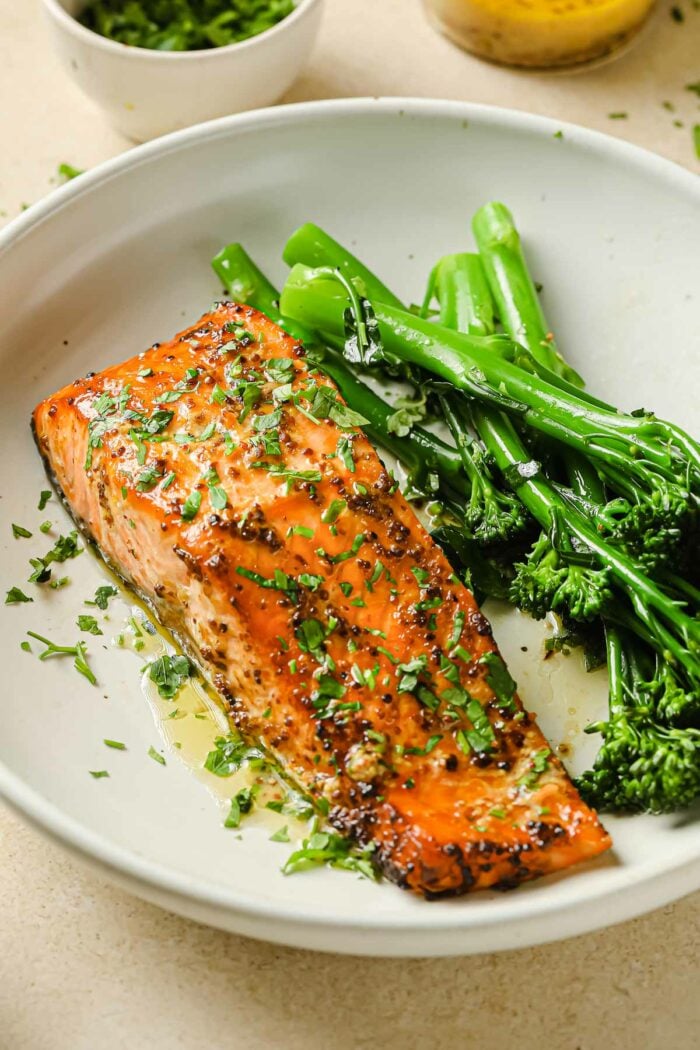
(241, 804)
(430, 746)
(102, 596)
(307, 579)
(499, 679)
(540, 764)
(422, 575)
(366, 677)
(89, 624)
(279, 369)
(344, 451)
(268, 422)
(217, 495)
(310, 634)
(156, 756)
(409, 673)
(482, 736)
(169, 673)
(461, 654)
(44, 498)
(69, 171)
(377, 571)
(279, 582)
(185, 386)
(189, 508)
(407, 412)
(229, 754)
(427, 698)
(78, 651)
(98, 774)
(15, 597)
(457, 628)
(64, 548)
(301, 530)
(279, 470)
(324, 404)
(333, 511)
(282, 835)
(327, 848)
(325, 698)
(19, 532)
(344, 555)
(148, 479)
(178, 26)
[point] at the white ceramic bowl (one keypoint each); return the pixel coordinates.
(147, 93)
(119, 258)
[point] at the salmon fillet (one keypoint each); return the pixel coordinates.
(223, 477)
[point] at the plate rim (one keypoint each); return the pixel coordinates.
(655, 883)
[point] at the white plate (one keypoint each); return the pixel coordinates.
(120, 258)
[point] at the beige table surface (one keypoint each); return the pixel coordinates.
(86, 967)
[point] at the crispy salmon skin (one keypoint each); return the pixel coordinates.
(225, 479)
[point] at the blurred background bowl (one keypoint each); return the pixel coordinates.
(146, 93)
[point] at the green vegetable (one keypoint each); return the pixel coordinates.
(116, 745)
(15, 597)
(169, 673)
(68, 172)
(229, 754)
(20, 533)
(182, 25)
(98, 774)
(241, 804)
(649, 757)
(89, 624)
(64, 548)
(191, 505)
(102, 596)
(495, 371)
(327, 848)
(78, 651)
(156, 756)
(644, 763)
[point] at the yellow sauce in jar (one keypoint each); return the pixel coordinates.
(539, 33)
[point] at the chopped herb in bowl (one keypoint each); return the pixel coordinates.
(182, 25)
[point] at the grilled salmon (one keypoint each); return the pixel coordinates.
(224, 478)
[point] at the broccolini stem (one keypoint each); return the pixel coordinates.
(485, 368)
(459, 284)
(517, 302)
(313, 247)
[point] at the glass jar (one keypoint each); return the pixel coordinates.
(540, 34)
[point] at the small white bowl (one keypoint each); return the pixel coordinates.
(146, 93)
